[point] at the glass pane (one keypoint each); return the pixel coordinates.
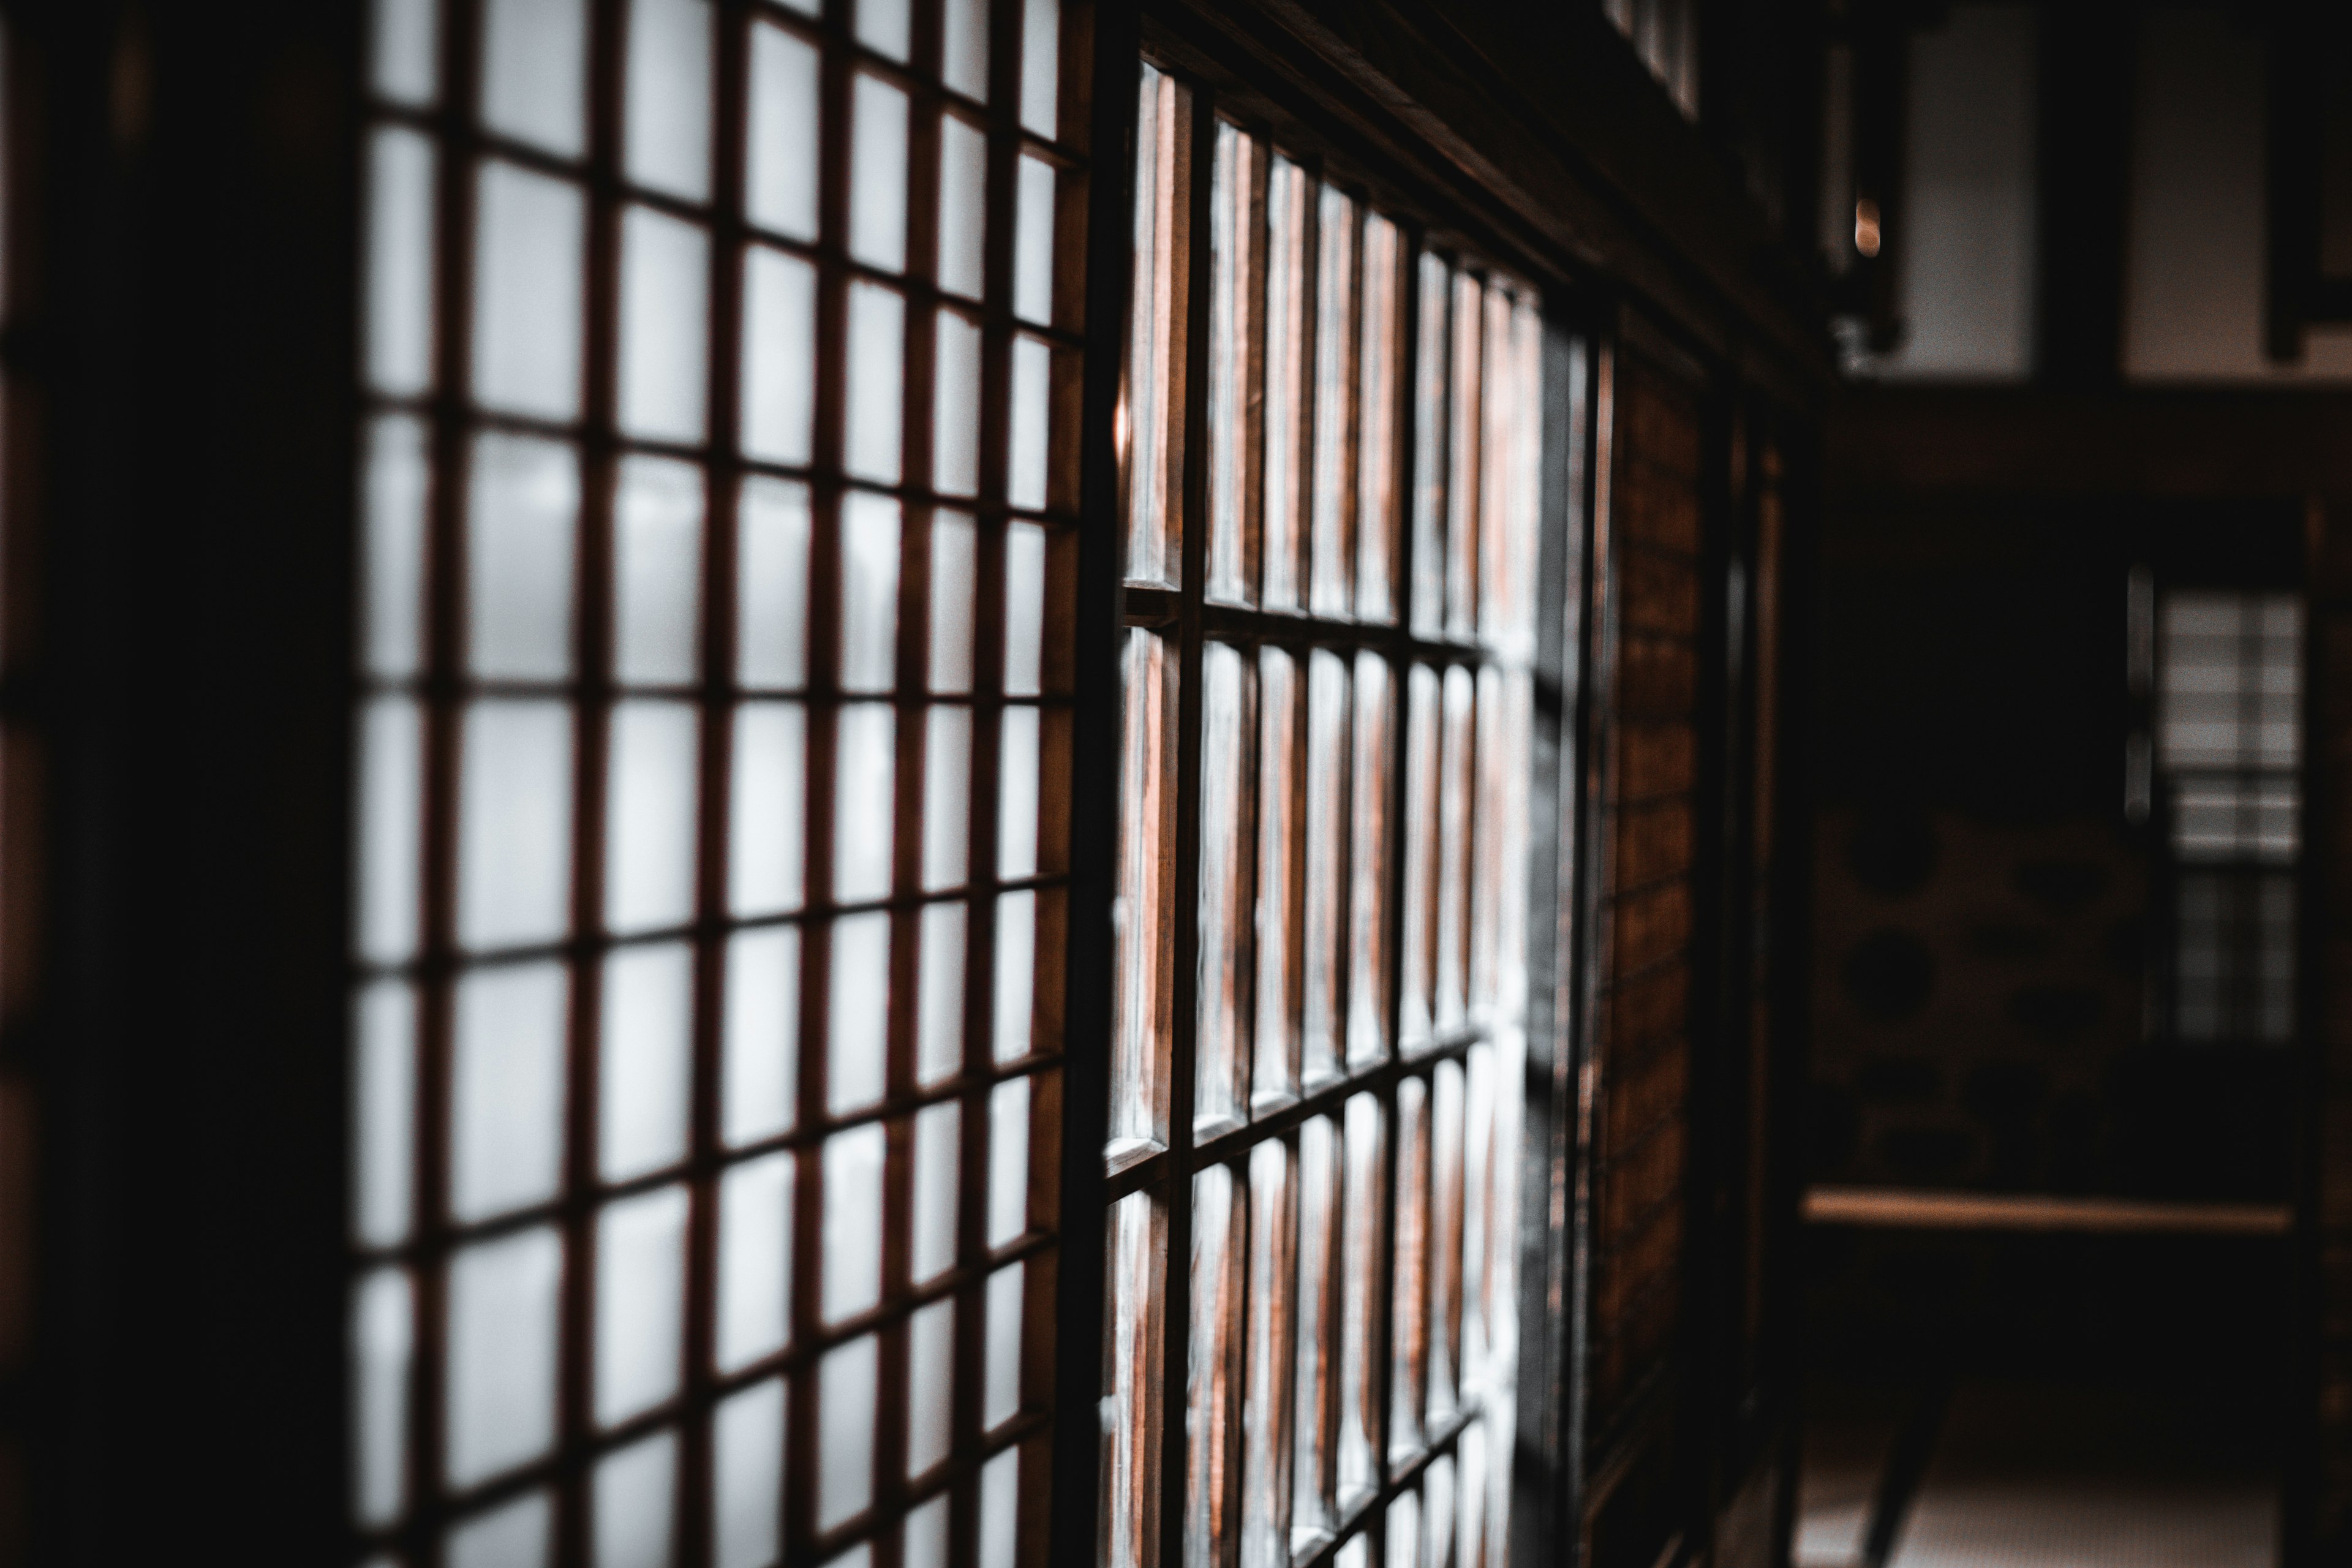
(1212, 1371)
(939, 1045)
(1001, 1380)
(1154, 391)
(877, 173)
(1280, 867)
(1335, 401)
(877, 327)
(771, 584)
(1463, 465)
(1008, 1161)
(1368, 925)
(1282, 519)
(1429, 426)
(931, 1372)
(1408, 1295)
(1453, 852)
(665, 322)
(636, 1502)
(649, 830)
(947, 796)
(1041, 40)
(1236, 324)
(937, 1152)
(522, 520)
(1025, 478)
(500, 1389)
(1359, 1299)
(869, 592)
(640, 1303)
(1016, 945)
(668, 115)
(845, 1400)
(401, 169)
(391, 789)
(1323, 1009)
(534, 71)
(999, 1508)
(516, 1535)
(1445, 1243)
(1147, 813)
(1016, 824)
(748, 1469)
(1219, 1092)
(1032, 242)
(859, 992)
(866, 768)
(514, 849)
(955, 405)
(1313, 1476)
(1024, 609)
(963, 64)
(399, 478)
(404, 51)
(658, 571)
(507, 1090)
(759, 1083)
(1131, 1444)
(755, 1261)
(853, 1222)
(954, 566)
(767, 819)
(383, 1347)
(780, 167)
(384, 1108)
(1267, 1392)
(1380, 367)
(646, 1066)
(963, 207)
(779, 356)
(527, 291)
(1417, 984)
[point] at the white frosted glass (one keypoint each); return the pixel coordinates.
(755, 1261)
(1001, 1398)
(513, 1536)
(522, 526)
(404, 50)
(766, 822)
(779, 356)
(400, 261)
(500, 1391)
(1016, 794)
(640, 1303)
(746, 1435)
(844, 1424)
(391, 788)
(648, 1023)
(930, 1403)
(526, 283)
(884, 26)
(771, 521)
(383, 1111)
(399, 476)
(963, 207)
(636, 1504)
(1016, 942)
(936, 1154)
(853, 1222)
(779, 164)
(877, 328)
(954, 565)
(877, 173)
(658, 571)
(938, 1043)
(947, 797)
(1032, 242)
(1008, 1161)
(514, 848)
(535, 60)
(650, 807)
(1041, 65)
(1032, 369)
(664, 326)
(865, 762)
(869, 592)
(855, 1056)
(963, 53)
(668, 112)
(1000, 1510)
(761, 1048)
(1024, 609)
(955, 405)
(383, 1347)
(507, 1091)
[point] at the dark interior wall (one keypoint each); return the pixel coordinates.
(1982, 908)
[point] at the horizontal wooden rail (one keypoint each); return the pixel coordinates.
(1905, 1208)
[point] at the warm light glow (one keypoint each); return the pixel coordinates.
(1866, 226)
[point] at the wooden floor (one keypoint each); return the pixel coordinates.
(2031, 1476)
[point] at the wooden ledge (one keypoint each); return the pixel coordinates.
(1904, 1208)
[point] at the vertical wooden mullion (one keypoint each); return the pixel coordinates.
(1185, 936)
(442, 717)
(719, 568)
(592, 661)
(803, 1439)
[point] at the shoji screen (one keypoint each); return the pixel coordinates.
(712, 773)
(1332, 432)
